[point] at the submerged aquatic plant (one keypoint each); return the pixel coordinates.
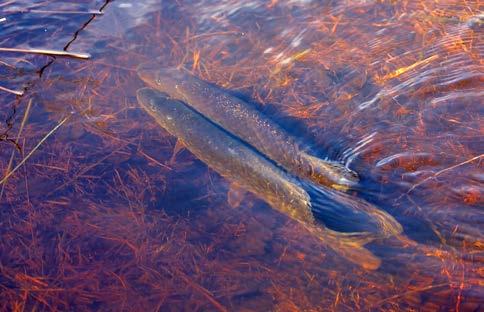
(109, 213)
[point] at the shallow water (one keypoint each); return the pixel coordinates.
(104, 215)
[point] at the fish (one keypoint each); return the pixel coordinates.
(239, 163)
(249, 124)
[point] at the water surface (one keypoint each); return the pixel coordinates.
(106, 214)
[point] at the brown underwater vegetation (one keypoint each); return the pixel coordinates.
(106, 213)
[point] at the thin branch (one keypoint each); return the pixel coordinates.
(7, 3)
(90, 12)
(204, 292)
(10, 162)
(48, 52)
(154, 160)
(34, 149)
(443, 171)
(5, 63)
(16, 92)
(409, 292)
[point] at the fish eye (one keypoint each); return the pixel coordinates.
(152, 106)
(158, 80)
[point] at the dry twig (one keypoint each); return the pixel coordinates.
(47, 52)
(90, 12)
(444, 170)
(16, 92)
(10, 162)
(34, 149)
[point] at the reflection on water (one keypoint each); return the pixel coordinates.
(109, 213)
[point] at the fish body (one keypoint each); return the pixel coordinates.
(228, 156)
(246, 122)
(239, 163)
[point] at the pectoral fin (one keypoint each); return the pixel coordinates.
(179, 146)
(235, 195)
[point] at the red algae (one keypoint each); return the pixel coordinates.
(108, 213)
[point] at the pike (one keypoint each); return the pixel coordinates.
(246, 122)
(240, 164)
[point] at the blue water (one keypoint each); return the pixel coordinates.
(106, 213)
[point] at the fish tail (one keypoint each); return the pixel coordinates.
(351, 247)
(386, 224)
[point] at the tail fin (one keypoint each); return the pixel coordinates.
(350, 246)
(337, 203)
(387, 223)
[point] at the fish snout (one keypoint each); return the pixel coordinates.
(332, 174)
(347, 177)
(147, 98)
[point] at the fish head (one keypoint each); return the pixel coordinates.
(345, 177)
(333, 174)
(341, 178)
(147, 98)
(156, 104)
(165, 80)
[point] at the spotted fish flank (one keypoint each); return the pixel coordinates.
(246, 122)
